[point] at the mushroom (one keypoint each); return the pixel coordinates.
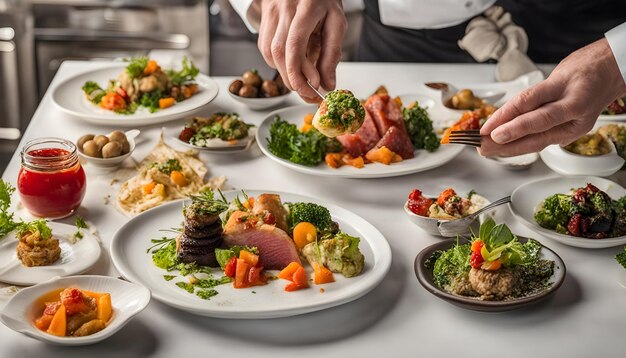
(82, 140)
(101, 140)
(252, 78)
(112, 149)
(92, 149)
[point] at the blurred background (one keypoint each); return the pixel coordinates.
(36, 36)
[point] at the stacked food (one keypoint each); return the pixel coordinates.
(220, 125)
(202, 230)
(36, 246)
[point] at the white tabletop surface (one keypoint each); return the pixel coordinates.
(399, 318)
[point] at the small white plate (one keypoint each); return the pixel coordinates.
(422, 161)
(518, 162)
(75, 259)
(128, 253)
(567, 163)
(69, 97)
(115, 161)
(527, 197)
(127, 299)
(217, 146)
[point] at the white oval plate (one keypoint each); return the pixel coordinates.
(527, 197)
(75, 258)
(566, 163)
(128, 299)
(422, 161)
(128, 253)
(217, 146)
(69, 97)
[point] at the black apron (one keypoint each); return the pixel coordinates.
(555, 29)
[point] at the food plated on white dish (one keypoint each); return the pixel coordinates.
(219, 133)
(494, 271)
(75, 310)
(107, 151)
(577, 211)
(208, 291)
(41, 251)
(71, 99)
(257, 93)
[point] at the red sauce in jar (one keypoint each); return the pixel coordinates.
(51, 181)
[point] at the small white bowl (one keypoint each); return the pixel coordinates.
(115, 161)
(567, 163)
(260, 103)
(128, 299)
(430, 224)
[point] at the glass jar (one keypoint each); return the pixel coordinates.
(51, 181)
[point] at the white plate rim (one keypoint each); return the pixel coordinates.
(377, 242)
(161, 116)
(349, 172)
(562, 238)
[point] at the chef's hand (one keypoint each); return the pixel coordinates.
(302, 39)
(558, 110)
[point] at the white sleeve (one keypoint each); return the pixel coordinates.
(242, 8)
(617, 40)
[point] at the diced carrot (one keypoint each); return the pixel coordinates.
(308, 119)
(306, 127)
(151, 67)
(287, 272)
(300, 278)
(105, 310)
(241, 274)
(322, 274)
(303, 234)
(178, 178)
(250, 258)
(166, 102)
(381, 155)
(148, 188)
(333, 160)
(58, 325)
(357, 162)
(249, 204)
(292, 286)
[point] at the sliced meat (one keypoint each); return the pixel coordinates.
(276, 249)
(397, 141)
(385, 112)
(364, 139)
(272, 204)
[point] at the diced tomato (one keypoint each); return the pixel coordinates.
(300, 278)
(574, 224)
(230, 268)
(122, 92)
(74, 301)
(241, 274)
(444, 196)
(113, 102)
(418, 204)
(51, 308)
(186, 134)
(256, 276)
(476, 259)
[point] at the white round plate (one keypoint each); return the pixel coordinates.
(76, 258)
(128, 253)
(127, 299)
(216, 146)
(612, 117)
(422, 161)
(69, 97)
(565, 163)
(527, 197)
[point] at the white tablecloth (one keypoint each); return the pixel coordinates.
(585, 318)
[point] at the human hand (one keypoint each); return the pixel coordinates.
(302, 39)
(558, 110)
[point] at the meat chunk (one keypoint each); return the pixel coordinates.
(271, 203)
(398, 142)
(364, 139)
(276, 249)
(385, 112)
(494, 284)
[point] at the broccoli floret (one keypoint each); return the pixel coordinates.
(317, 215)
(621, 258)
(339, 253)
(555, 212)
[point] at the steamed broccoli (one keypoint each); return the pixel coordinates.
(555, 212)
(340, 253)
(317, 215)
(621, 257)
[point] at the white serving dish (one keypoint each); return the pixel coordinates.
(115, 161)
(430, 224)
(567, 163)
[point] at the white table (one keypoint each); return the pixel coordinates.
(399, 318)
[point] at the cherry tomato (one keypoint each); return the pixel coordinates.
(230, 268)
(476, 260)
(444, 196)
(113, 102)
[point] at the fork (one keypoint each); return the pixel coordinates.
(468, 137)
(451, 228)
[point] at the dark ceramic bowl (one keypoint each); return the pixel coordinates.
(425, 277)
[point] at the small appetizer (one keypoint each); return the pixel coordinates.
(584, 212)
(72, 312)
(144, 84)
(592, 144)
(225, 126)
(251, 85)
(447, 206)
(495, 266)
(36, 245)
(469, 120)
(465, 99)
(617, 134)
(616, 107)
(103, 146)
(339, 113)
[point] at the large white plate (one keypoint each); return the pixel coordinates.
(128, 253)
(422, 161)
(527, 197)
(76, 258)
(69, 97)
(214, 146)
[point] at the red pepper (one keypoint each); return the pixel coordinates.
(231, 267)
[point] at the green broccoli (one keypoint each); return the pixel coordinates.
(555, 212)
(313, 213)
(621, 257)
(340, 253)
(420, 128)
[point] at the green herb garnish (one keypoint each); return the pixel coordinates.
(36, 226)
(7, 224)
(169, 277)
(168, 166)
(136, 66)
(80, 224)
(206, 294)
(420, 128)
(186, 286)
(186, 74)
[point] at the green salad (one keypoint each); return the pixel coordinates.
(220, 125)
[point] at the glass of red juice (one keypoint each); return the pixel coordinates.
(51, 181)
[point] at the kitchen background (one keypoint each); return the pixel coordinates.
(36, 36)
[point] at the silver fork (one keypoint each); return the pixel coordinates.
(468, 137)
(451, 228)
